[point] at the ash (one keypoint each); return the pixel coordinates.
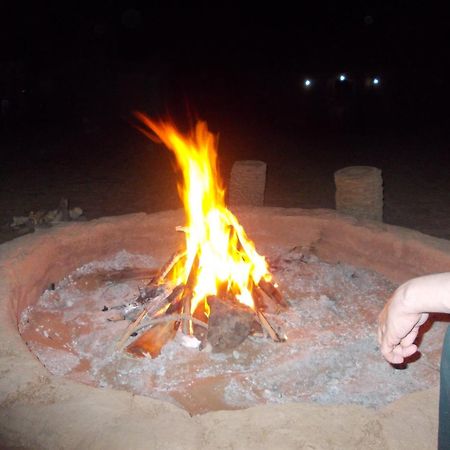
(331, 355)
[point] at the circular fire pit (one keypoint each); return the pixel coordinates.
(40, 410)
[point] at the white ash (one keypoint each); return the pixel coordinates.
(58, 362)
(331, 355)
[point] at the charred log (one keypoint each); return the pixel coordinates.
(152, 341)
(229, 324)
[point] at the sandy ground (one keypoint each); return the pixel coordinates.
(110, 169)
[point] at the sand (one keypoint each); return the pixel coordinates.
(114, 170)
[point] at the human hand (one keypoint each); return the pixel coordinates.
(398, 327)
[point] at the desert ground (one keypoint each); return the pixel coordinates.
(109, 168)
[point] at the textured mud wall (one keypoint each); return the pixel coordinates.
(247, 183)
(359, 192)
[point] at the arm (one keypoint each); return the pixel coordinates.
(407, 310)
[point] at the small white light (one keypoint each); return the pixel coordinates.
(307, 83)
(342, 77)
(376, 81)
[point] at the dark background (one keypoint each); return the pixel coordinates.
(71, 74)
(73, 60)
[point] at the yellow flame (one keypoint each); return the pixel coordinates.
(226, 255)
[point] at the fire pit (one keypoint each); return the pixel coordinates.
(43, 410)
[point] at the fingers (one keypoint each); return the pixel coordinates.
(389, 349)
(423, 319)
(410, 350)
(410, 337)
(398, 354)
(394, 349)
(393, 358)
(397, 333)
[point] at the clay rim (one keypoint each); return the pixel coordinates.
(29, 264)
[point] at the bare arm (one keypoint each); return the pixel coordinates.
(407, 310)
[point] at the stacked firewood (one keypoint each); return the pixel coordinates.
(164, 309)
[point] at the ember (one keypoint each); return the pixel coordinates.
(219, 263)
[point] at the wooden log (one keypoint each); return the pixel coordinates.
(149, 293)
(229, 324)
(276, 337)
(157, 304)
(152, 341)
(258, 299)
(168, 267)
(131, 329)
(264, 302)
(171, 317)
(273, 292)
(187, 294)
(187, 310)
(234, 235)
(266, 286)
(175, 300)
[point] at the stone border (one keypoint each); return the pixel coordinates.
(39, 410)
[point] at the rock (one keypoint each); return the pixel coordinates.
(19, 221)
(75, 213)
(52, 216)
(229, 324)
(63, 209)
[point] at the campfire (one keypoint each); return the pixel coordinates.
(217, 288)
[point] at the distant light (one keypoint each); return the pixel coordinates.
(376, 81)
(342, 77)
(307, 83)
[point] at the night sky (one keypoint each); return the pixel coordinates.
(204, 54)
(72, 73)
(386, 33)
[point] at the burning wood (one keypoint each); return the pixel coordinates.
(188, 293)
(152, 341)
(229, 324)
(218, 279)
(269, 329)
(273, 293)
(168, 267)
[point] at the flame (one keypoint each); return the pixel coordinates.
(226, 257)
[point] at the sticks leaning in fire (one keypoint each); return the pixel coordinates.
(168, 267)
(152, 341)
(267, 287)
(164, 311)
(276, 337)
(187, 294)
(152, 308)
(154, 296)
(270, 290)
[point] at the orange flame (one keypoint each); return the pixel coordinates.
(226, 257)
